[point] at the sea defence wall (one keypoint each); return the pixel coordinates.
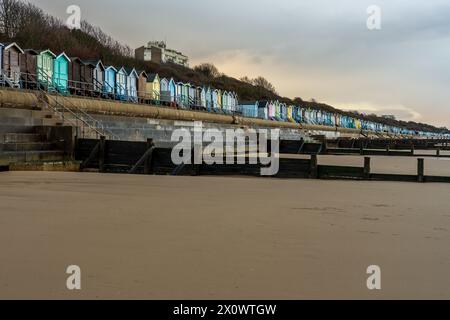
(120, 115)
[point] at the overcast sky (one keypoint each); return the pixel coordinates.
(319, 49)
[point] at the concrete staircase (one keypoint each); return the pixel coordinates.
(33, 140)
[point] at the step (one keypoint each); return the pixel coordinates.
(20, 137)
(25, 113)
(8, 158)
(59, 166)
(7, 129)
(28, 146)
(20, 121)
(52, 122)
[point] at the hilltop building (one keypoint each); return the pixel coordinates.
(156, 51)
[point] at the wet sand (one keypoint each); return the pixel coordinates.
(221, 238)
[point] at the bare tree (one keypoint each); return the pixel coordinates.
(264, 83)
(209, 70)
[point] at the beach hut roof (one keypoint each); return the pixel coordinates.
(13, 44)
(111, 67)
(88, 63)
(31, 51)
(152, 77)
(130, 71)
(46, 51)
(73, 59)
(142, 72)
(63, 55)
(122, 69)
(262, 104)
(95, 63)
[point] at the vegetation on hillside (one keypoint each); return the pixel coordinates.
(29, 26)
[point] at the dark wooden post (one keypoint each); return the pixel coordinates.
(101, 154)
(412, 148)
(313, 169)
(361, 148)
(148, 160)
(367, 168)
(388, 148)
(438, 152)
(420, 170)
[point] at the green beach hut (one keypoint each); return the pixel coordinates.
(61, 73)
(45, 68)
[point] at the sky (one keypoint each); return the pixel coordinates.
(319, 49)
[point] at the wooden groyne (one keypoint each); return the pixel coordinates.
(144, 158)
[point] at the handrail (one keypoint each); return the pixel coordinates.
(92, 123)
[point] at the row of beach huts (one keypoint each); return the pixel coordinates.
(45, 70)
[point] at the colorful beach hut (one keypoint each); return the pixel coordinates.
(44, 67)
(109, 87)
(121, 84)
(98, 75)
(28, 64)
(142, 85)
(61, 73)
(132, 83)
(11, 64)
(153, 87)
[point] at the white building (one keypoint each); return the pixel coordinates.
(156, 51)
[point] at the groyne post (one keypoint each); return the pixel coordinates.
(148, 160)
(313, 169)
(420, 170)
(367, 168)
(101, 154)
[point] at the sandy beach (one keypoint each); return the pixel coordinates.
(150, 237)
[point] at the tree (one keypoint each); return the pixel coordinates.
(208, 69)
(263, 83)
(260, 82)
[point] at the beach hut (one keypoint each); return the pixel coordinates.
(44, 68)
(87, 76)
(203, 97)
(186, 88)
(142, 85)
(75, 70)
(233, 101)
(208, 99)
(121, 84)
(179, 91)
(263, 110)
(192, 95)
(11, 64)
(198, 97)
(172, 90)
(132, 83)
(98, 75)
(215, 100)
(153, 87)
(249, 109)
(165, 95)
(28, 64)
(225, 105)
(109, 87)
(61, 73)
(219, 99)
